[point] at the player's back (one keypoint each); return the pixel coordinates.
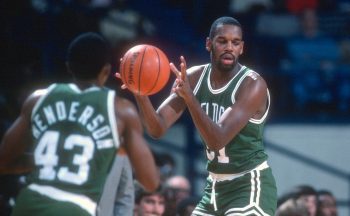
(75, 140)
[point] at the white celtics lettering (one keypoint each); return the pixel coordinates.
(213, 110)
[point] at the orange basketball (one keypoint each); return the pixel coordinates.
(145, 69)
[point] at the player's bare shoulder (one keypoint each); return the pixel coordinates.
(254, 79)
(125, 108)
(126, 114)
(34, 98)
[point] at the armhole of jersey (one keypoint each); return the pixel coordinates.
(233, 100)
(252, 120)
(262, 119)
(112, 117)
(41, 99)
(200, 79)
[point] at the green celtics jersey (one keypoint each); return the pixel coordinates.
(75, 139)
(245, 151)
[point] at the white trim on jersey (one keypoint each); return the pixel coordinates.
(44, 93)
(75, 88)
(112, 117)
(217, 91)
(252, 120)
(233, 100)
(261, 120)
(83, 202)
(200, 79)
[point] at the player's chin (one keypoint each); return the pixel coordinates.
(226, 67)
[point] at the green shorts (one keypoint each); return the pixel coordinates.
(29, 202)
(254, 193)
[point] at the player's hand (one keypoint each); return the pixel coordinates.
(182, 86)
(118, 76)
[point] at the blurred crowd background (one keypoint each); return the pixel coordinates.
(301, 47)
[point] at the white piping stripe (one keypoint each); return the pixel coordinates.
(246, 208)
(41, 99)
(201, 213)
(112, 117)
(74, 87)
(217, 91)
(253, 211)
(252, 120)
(252, 189)
(200, 79)
(261, 120)
(84, 202)
(257, 200)
(237, 85)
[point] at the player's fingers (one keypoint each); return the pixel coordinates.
(117, 75)
(183, 67)
(175, 70)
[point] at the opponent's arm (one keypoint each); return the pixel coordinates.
(136, 146)
(250, 101)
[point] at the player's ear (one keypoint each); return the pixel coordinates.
(242, 48)
(208, 44)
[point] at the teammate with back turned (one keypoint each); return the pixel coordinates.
(75, 130)
(229, 104)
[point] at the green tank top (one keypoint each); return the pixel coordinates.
(246, 150)
(75, 138)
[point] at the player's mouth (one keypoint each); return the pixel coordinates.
(227, 58)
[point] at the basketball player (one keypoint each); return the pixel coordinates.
(75, 130)
(229, 104)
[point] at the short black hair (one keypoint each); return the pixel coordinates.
(223, 21)
(87, 54)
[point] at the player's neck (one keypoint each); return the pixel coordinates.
(225, 75)
(86, 84)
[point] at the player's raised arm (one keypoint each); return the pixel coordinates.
(17, 139)
(136, 146)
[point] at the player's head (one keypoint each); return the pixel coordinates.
(87, 54)
(225, 43)
(222, 21)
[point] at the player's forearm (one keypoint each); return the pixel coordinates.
(149, 117)
(210, 131)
